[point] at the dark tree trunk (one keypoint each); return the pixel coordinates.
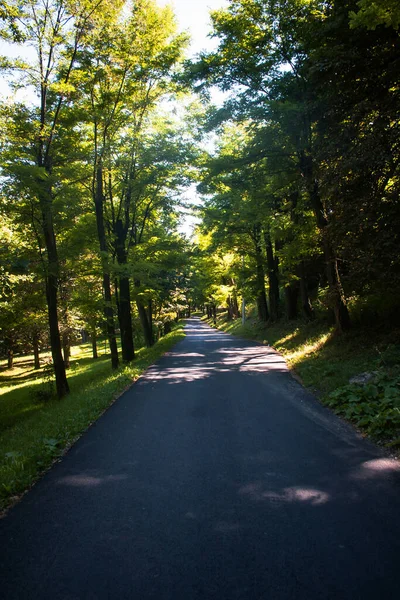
(144, 321)
(35, 344)
(10, 358)
(273, 278)
(261, 298)
(108, 308)
(306, 305)
(229, 308)
(125, 322)
(291, 297)
(150, 315)
(94, 342)
(55, 339)
(235, 305)
(52, 291)
(342, 318)
(214, 313)
(188, 310)
(124, 312)
(66, 350)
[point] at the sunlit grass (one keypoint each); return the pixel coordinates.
(33, 434)
(299, 353)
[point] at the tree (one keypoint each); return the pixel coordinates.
(56, 31)
(129, 65)
(262, 50)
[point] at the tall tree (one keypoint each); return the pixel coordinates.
(56, 31)
(130, 65)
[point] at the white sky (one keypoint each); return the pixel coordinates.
(193, 16)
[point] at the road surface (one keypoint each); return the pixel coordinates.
(216, 476)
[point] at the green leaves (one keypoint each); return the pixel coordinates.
(374, 407)
(372, 13)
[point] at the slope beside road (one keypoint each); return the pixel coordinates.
(216, 476)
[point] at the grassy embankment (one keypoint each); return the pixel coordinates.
(34, 432)
(325, 362)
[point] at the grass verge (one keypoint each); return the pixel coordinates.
(34, 434)
(325, 363)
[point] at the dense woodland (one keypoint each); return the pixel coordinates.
(298, 170)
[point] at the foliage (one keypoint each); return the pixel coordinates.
(374, 408)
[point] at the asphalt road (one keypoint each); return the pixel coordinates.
(216, 476)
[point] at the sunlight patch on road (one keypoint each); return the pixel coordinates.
(256, 492)
(88, 480)
(378, 467)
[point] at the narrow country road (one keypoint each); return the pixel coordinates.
(216, 476)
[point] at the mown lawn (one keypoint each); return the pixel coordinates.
(33, 432)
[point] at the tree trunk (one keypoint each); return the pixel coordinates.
(150, 316)
(291, 296)
(214, 313)
(45, 200)
(35, 344)
(306, 305)
(124, 312)
(125, 320)
(108, 308)
(144, 321)
(235, 305)
(261, 298)
(188, 310)
(10, 358)
(342, 318)
(229, 308)
(94, 342)
(66, 349)
(273, 278)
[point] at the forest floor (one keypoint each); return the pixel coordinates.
(36, 428)
(325, 363)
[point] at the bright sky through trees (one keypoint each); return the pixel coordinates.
(193, 16)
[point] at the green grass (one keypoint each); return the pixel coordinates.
(33, 434)
(325, 362)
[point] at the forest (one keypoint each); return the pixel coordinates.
(108, 123)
